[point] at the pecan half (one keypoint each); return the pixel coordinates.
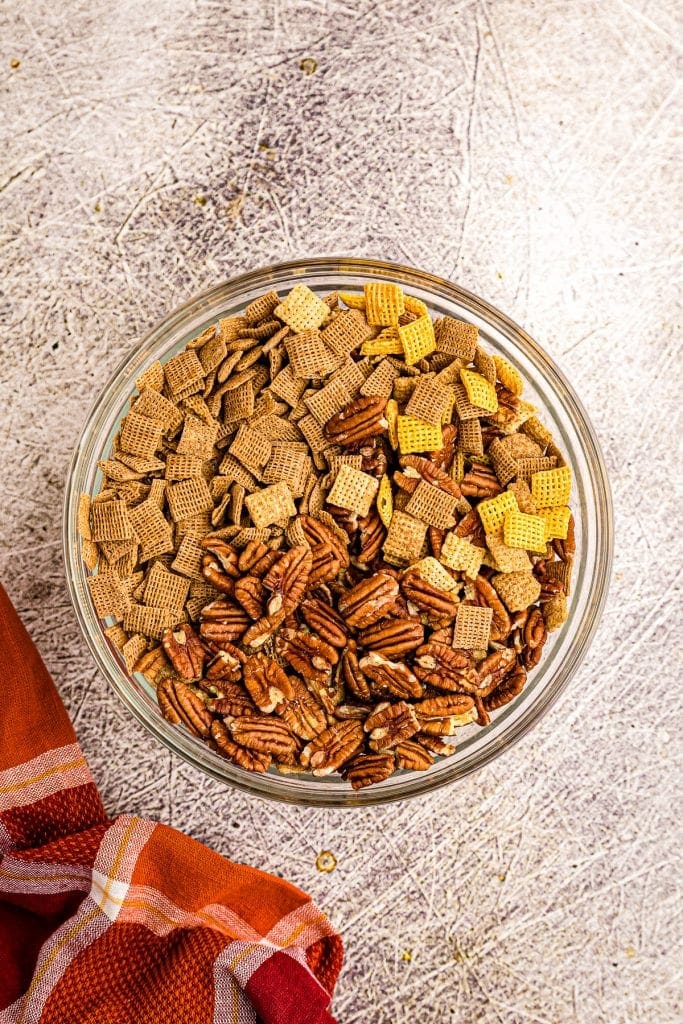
(179, 703)
(535, 635)
(220, 565)
(428, 598)
(368, 769)
(288, 579)
(371, 537)
(512, 684)
(480, 482)
(360, 420)
(261, 631)
(391, 724)
(325, 565)
(352, 712)
(325, 621)
(446, 668)
(267, 682)
(333, 748)
(257, 558)
(390, 677)
(227, 665)
(184, 650)
(265, 735)
(353, 675)
(487, 596)
(471, 526)
(308, 655)
(440, 727)
(247, 759)
(443, 457)
(566, 549)
(436, 538)
(153, 665)
(250, 593)
(493, 669)
(456, 704)
(430, 472)
(413, 756)
(369, 600)
(302, 712)
(232, 703)
(223, 622)
(393, 637)
(317, 532)
(435, 744)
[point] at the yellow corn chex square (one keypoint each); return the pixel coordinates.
(457, 553)
(556, 521)
(384, 303)
(387, 343)
(523, 531)
(434, 572)
(391, 416)
(385, 501)
(552, 487)
(458, 467)
(352, 301)
(417, 436)
(508, 375)
(414, 305)
(480, 391)
(493, 511)
(417, 339)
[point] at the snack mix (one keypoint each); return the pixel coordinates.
(331, 533)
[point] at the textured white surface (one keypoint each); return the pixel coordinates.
(528, 152)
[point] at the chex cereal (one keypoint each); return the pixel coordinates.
(460, 554)
(356, 498)
(353, 489)
(433, 506)
(472, 627)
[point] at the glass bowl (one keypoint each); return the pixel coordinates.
(558, 408)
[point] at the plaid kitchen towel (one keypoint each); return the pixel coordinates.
(128, 921)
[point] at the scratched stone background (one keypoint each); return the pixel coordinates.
(527, 151)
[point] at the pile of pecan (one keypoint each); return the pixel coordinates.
(314, 649)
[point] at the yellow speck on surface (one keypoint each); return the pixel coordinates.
(501, 878)
(407, 955)
(630, 952)
(509, 179)
(14, 63)
(326, 861)
(200, 200)
(308, 65)
(500, 276)
(97, 208)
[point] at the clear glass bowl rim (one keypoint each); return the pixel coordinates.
(292, 788)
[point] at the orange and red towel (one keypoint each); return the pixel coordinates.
(128, 921)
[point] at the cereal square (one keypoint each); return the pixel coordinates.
(188, 497)
(384, 303)
(552, 487)
(456, 337)
(524, 531)
(353, 490)
(417, 339)
(462, 556)
(416, 436)
(405, 539)
(431, 505)
(302, 310)
(472, 627)
(270, 504)
(480, 392)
